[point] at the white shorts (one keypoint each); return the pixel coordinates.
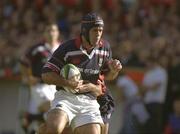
(39, 94)
(81, 109)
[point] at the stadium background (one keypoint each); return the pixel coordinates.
(135, 28)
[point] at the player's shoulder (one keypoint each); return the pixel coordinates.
(69, 44)
(36, 48)
(104, 43)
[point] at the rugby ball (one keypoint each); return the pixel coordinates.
(70, 72)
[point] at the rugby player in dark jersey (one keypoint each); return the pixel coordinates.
(92, 55)
(31, 65)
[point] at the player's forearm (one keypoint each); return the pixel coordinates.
(89, 87)
(97, 91)
(111, 75)
(55, 79)
(114, 68)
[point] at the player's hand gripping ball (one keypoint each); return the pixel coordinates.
(70, 72)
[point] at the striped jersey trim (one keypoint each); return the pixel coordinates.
(52, 67)
(80, 52)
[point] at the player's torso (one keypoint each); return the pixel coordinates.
(38, 56)
(89, 64)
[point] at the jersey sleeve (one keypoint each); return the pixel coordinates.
(56, 61)
(107, 58)
(105, 68)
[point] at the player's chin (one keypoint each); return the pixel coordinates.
(95, 41)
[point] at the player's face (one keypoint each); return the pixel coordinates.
(95, 35)
(52, 32)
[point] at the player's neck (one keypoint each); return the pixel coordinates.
(86, 45)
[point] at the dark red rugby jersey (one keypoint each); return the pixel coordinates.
(35, 58)
(91, 65)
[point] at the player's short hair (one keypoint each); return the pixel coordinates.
(89, 21)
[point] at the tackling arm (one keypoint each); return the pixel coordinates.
(55, 79)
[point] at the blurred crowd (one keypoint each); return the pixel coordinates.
(136, 30)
